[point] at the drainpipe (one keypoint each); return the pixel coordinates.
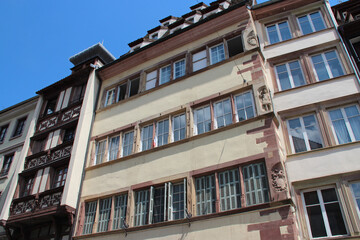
(332, 17)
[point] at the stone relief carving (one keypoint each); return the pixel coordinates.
(251, 38)
(278, 178)
(265, 99)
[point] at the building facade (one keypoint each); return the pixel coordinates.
(16, 124)
(185, 143)
(44, 202)
(316, 98)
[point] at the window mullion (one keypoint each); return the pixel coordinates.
(290, 75)
(311, 22)
(323, 212)
(328, 69)
(165, 201)
(151, 205)
(185, 197)
(217, 190)
(347, 124)
(278, 31)
(212, 115)
(170, 200)
(303, 129)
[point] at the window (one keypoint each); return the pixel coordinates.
(202, 120)
(60, 177)
(179, 127)
(110, 97)
(90, 211)
(27, 187)
(69, 135)
(278, 32)
(304, 134)
(78, 93)
(199, 60)
(104, 214)
(39, 145)
(311, 23)
(134, 86)
(179, 68)
(121, 94)
(113, 147)
(120, 205)
(151, 80)
(20, 124)
(323, 213)
(6, 164)
(162, 132)
(355, 188)
(147, 137)
(158, 204)
(100, 151)
(217, 54)
(165, 74)
(3, 130)
(223, 113)
(50, 106)
(155, 36)
(289, 75)
(327, 65)
(244, 106)
(235, 46)
(346, 124)
(228, 193)
(128, 139)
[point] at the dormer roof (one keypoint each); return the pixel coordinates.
(199, 6)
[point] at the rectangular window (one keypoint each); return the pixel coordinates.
(205, 195)
(199, 60)
(77, 93)
(245, 108)
(50, 106)
(69, 134)
(217, 54)
(121, 92)
(134, 86)
(6, 164)
(114, 147)
(163, 203)
(28, 186)
(255, 182)
(38, 145)
(120, 211)
(104, 214)
(304, 134)
(323, 213)
(165, 74)
(110, 97)
(355, 188)
(20, 124)
(90, 211)
(162, 132)
(128, 139)
(3, 130)
(327, 65)
(179, 68)
(278, 32)
(229, 186)
(312, 22)
(151, 80)
(60, 177)
(100, 151)
(289, 75)
(223, 113)
(202, 120)
(179, 127)
(141, 208)
(346, 124)
(147, 137)
(235, 46)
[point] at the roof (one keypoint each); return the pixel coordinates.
(97, 50)
(19, 104)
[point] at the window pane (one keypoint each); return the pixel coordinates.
(134, 86)
(334, 64)
(151, 80)
(141, 207)
(128, 143)
(316, 221)
(114, 148)
(119, 211)
(223, 113)
(158, 209)
(165, 74)
(121, 92)
(104, 214)
(202, 119)
(90, 211)
(273, 35)
(244, 106)
(353, 116)
(317, 21)
(297, 135)
(217, 54)
(179, 126)
(284, 31)
(255, 181)
(229, 186)
(205, 195)
(312, 131)
(146, 137)
(283, 77)
(296, 73)
(335, 219)
(355, 187)
(305, 25)
(100, 151)
(178, 201)
(162, 132)
(320, 68)
(179, 69)
(340, 129)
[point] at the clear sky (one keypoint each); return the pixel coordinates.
(39, 36)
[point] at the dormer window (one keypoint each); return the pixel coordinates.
(166, 24)
(155, 36)
(190, 20)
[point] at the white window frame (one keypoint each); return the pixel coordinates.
(346, 120)
(160, 74)
(252, 103)
(154, 78)
(130, 144)
(199, 59)
(310, 21)
(174, 68)
(303, 130)
(157, 132)
(323, 211)
(327, 67)
(277, 31)
(142, 137)
(210, 55)
(196, 131)
(288, 71)
(173, 127)
(215, 116)
(110, 147)
(97, 145)
(354, 198)
(110, 93)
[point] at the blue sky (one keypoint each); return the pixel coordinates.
(39, 36)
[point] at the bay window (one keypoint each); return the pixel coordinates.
(327, 65)
(289, 75)
(304, 134)
(346, 124)
(323, 213)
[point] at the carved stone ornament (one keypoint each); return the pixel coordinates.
(264, 97)
(278, 178)
(251, 38)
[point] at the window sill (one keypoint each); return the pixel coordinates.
(192, 219)
(192, 138)
(268, 45)
(15, 137)
(178, 79)
(322, 149)
(2, 177)
(311, 84)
